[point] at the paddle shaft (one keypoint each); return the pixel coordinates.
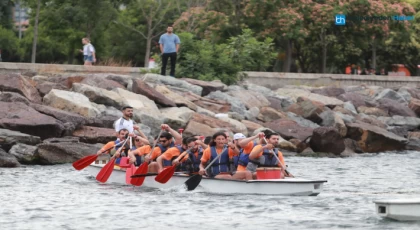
(275, 155)
(122, 146)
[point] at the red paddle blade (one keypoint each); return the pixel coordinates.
(106, 171)
(84, 162)
(130, 171)
(140, 170)
(165, 175)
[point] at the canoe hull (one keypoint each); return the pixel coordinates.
(401, 210)
(287, 187)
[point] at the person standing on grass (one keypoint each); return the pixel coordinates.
(169, 46)
(89, 54)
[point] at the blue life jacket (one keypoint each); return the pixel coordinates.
(269, 159)
(163, 149)
(244, 158)
(193, 163)
(222, 164)
(124, 153)
(166, 163)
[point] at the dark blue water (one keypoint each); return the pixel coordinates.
(58, 197)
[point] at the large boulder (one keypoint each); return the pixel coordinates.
(21, 85)
(173, 82)
(124, 80)
(403, 92)
(208, 86)
(13, 97)
(89, 134)
(141, 87)
(213, 122)
(329, 91)
(235, 126)
(373, 139)
(327, 140)
(25, 154)
(61, 115)
(101, 82)
(251, 126)
(67, 80)
(363, 118)
(195, 128)
(302, 121)
(349, 106)
(414, 93)
(7, 160)
(8, 138)
(20, 117)
(377, 112)
(395, 108)
(355, 98)
(415, 106)
(71, 102)
(391, 94)
(250, 98)
(213, 105)
(331, 119)
(140, 103)
(63, 152)
(178, 99)
(412, 123)
(289, 129)
(176, 117)
(307, 109)
(268, 114)
(45, 87)
(277, 103)
(296, 93)
(236, 104)
(154, 122)
(413, 144)
(99, 95)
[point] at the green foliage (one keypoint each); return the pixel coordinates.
(8, 44)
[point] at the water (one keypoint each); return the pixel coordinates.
(58, 197)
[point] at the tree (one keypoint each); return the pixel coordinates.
(38, 6)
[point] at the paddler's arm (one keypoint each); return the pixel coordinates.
(175, 134)
(201, 143)
(141, 135)
(245, 141)
(181, 156)
(159, 161)
(132, 155)
(106, 146)
(204, 159)
(233, 149)
(256, 151)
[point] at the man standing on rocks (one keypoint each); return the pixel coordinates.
(126, 122)
(169, 46)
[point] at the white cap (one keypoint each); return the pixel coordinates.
(238, 136)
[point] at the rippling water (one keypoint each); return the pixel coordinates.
(58, 197)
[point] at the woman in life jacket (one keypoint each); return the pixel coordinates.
(221, 168)
(262, 155)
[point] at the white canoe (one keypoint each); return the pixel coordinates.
(401, 209)
(290, 186)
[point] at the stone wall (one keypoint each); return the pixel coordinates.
(268, 79)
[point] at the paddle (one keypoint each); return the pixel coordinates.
(195, 180)
(282, 166)
(130, 170)
(153, 174)
(106, 171)
(167, 173)
(87, 160)
(145, 166)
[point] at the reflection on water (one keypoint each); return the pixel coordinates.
(58, 197)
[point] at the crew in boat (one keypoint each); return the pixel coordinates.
(262, 155)
(221, 167)
(122, 133)
(166, 158)
(140, 145)
(192, 156)
(245, 146)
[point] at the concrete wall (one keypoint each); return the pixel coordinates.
(278, 80)
(12, 67)
(267, 79)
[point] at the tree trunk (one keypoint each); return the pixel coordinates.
(324, 59)
(147, 55)
(35, 32)
(20, 20)
(374, 54)
(288, 60)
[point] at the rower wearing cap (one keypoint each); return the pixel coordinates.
(245, 145)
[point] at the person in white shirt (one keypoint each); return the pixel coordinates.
(126, 122)
(89, 54)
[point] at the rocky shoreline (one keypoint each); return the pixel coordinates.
(58, 119)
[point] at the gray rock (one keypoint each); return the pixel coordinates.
(411, 122)
(63, 152)
(405, 93)
(13, 97)
(237, 105)
(25, 154)
(330, 119)
(151, 121)
(206, 112)
(7, 160)
(252, 113)
(156, 78)
(122, 79)
(302, 121)
(391, 94)
(67, 139)
(346, 118)
(349, 106)
(236, 116)
(176, 117)
(8, 138)
(413, 144)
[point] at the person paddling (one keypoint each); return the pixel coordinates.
(117, 150)
(245, 146)
(262, 155)
(220, 168)
(166, 158)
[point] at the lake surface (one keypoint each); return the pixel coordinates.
(59, 197)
